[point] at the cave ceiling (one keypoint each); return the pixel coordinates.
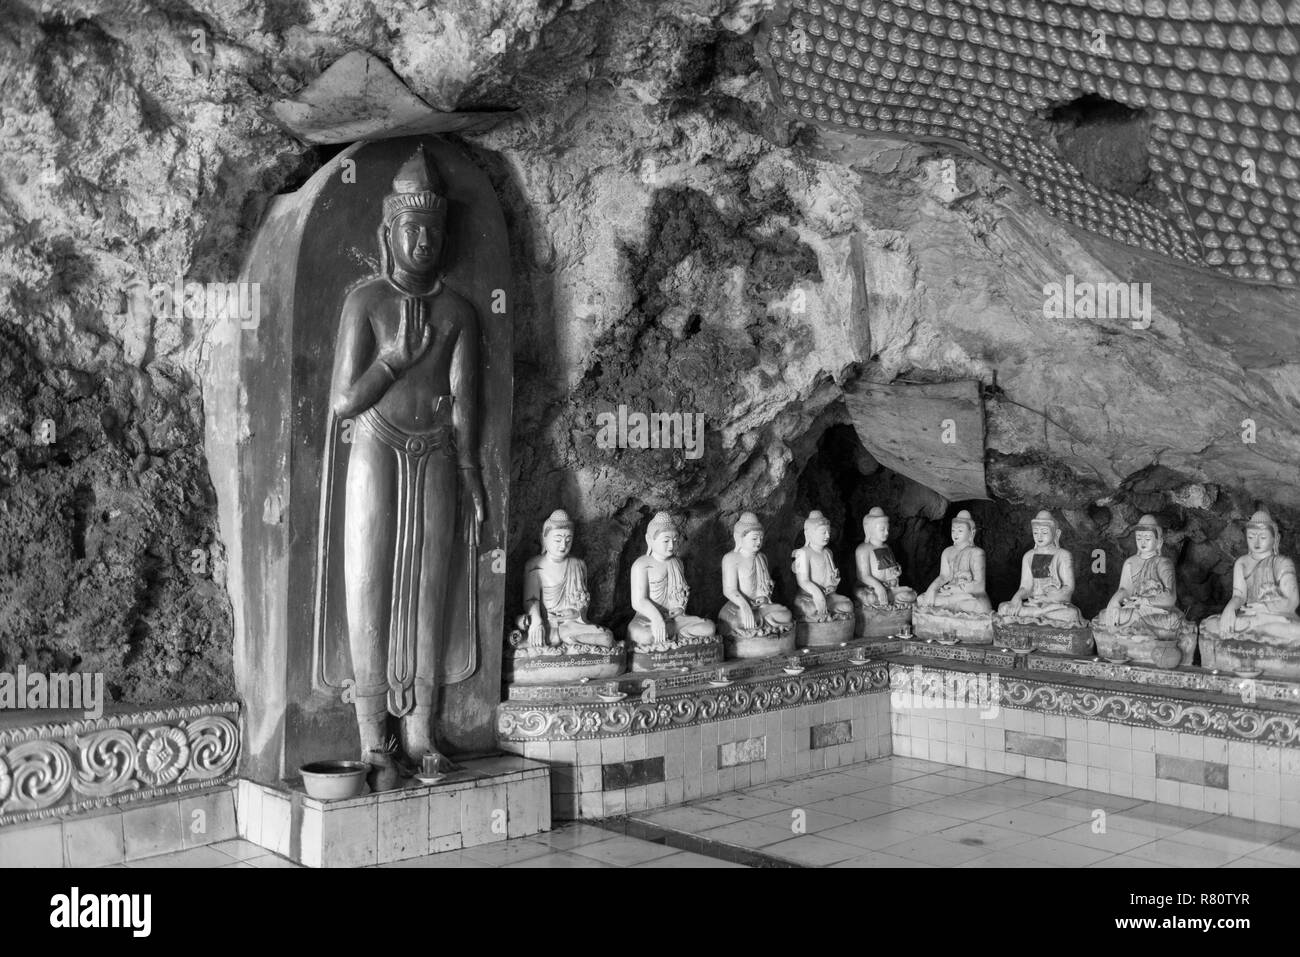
(1212, 86)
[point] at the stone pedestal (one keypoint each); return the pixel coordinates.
(1243, 654)
(871, 621)
(545, 666)
(491, 799)
(1044, 638)
(760, 646)
(821, 634)
(941, 626)
(692, 655)
(1140, 648)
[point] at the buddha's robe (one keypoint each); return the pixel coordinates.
(819, 567)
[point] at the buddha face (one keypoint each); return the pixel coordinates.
(664, 545)
(558, 543)
(878, 531)
(961, 533)
(1042, 536)
(415, 239)
(1259, 541)
(751, 541)
(818, 535)
(1146, 543)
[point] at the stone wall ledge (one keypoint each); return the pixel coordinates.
(58, 763)
(567, 719)
(1193, 682)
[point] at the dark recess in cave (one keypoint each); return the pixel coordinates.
(844, 482)
(1107, 142)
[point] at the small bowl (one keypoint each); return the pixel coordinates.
(334, 780)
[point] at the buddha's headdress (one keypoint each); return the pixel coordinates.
(417, 186)
(748, 522)
(1148, 523)
(1263, 520)
(877, 514)
(662, 522)
(1044, 519)
(815, 519)
(558, 519)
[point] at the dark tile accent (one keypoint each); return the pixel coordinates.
(1192, 771)
(745, 751)
(830, 734)
(631, 774)
(1035, 745)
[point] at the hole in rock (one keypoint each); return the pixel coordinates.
(1106, 142)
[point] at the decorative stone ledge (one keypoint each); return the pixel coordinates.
(67, 766)
(1212, 714)
(570, 720)
(1185, 678)
(681, 680)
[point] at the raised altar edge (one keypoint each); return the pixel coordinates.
(378, 828)
(60, 766)
(1124, 676)
(1202, 713)
(736, 669)
(578, 720)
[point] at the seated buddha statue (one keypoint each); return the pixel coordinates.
(956, 605)
(884, 604)
(1258, 630)
(555, 641)
(662, 634)
(1144, 610)
(1042, 602)
(752, 625)
(822, 616)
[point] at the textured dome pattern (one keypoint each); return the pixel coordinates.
(1218, 82)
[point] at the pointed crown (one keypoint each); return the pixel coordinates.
(417, 185)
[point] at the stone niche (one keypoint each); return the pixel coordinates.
(266, 386)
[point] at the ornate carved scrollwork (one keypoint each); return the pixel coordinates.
(106, 763)
(164, 752)
(214, 746)
(42, 772)
(534, 721)
(1216, 720)
(54, 769)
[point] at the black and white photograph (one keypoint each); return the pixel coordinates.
(651, 434)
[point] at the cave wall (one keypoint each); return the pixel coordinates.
(678, 245)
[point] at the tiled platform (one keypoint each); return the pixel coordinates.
(907, 812)
(688, 740)
(487, 800)
(1210, 746)
(123, 833)
(891, 812)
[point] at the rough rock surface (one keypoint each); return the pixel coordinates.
(678, 246)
